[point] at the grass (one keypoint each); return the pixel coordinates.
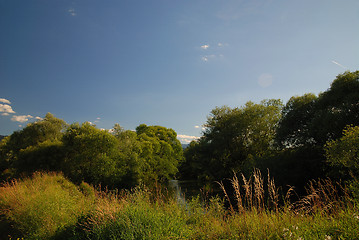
(47, 206)
(40, 206)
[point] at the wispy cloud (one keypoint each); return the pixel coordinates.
(39, 118)
(3, 100)
(186, 138)
(336, 63)
(72, 12)
(5, 108)
(220, 45)
(199, 127)
(21, 118)
(208, 57)
(265, 80)
(205, 46)
(214, 51)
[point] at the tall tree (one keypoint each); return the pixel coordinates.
(37, 146)
(234, 137)
(161, 152)
(92, 155)
(310, 120)
(343, 153)
(294, 126)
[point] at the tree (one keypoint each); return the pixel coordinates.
(161, 152)
(129, 154)
(234, 137)
(336, 108)
(92, 155)
(36, 147)
(343, 153)
(294, 126)
(312, 121)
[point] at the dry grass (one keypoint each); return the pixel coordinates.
(251, 195)
(323, 196)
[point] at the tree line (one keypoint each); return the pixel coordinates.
(309, 137)
(115, 159)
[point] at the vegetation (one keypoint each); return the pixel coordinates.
(309, 146)
(47, 206)
(289, 140)
(121, 159)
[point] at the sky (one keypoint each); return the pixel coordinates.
(166, 62)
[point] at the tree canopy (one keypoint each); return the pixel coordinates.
(117, 159)
(233, 137)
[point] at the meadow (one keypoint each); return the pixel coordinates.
(49, 206)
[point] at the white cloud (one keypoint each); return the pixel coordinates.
(3, 100)
(72, 12)
(39, 118)
(5, 114)
(21, 118)
(265, 80)
(199, 127)
(6, 108)
(205, 59)
(205, 47)
(186, 138)
(339, 64)
(208, 57)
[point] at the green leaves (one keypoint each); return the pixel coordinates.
(344, 152)
(161, 152)
(235, 136)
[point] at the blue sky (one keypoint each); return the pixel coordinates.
(166, 62)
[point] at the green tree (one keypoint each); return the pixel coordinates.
(294, 126)
(234, 138)
(92, 155)
(36, 147)
(336, 108)
(129, 154)
(310, 120)
(343, 153)
(161, 153)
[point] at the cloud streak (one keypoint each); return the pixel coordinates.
(338, 64)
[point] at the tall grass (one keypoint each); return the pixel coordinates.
(40, 206)
(47, 206)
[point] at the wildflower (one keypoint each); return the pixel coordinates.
(327, 237)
